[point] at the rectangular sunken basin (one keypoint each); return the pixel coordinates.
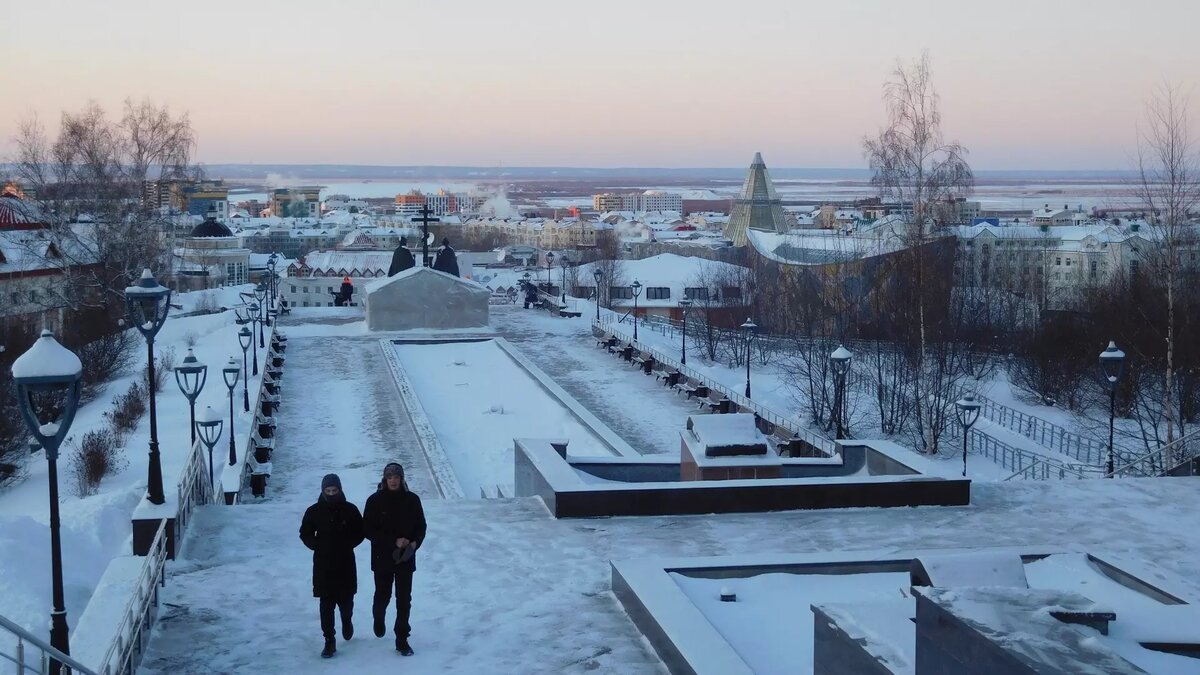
(857, 610)
(866, 475)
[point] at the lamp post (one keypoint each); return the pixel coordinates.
(968, 414)
(563, 267)
(597, 275)
(250, 317)
(684, 304)
(148, 303)
(1112, 364)
(839, 361)
(244, 339)
(191, 377)
(209, 425)
(230, 372)
(260, 294)
(256, 309)
(272, 262)
(637, 291)
(549, 262)
(47, 372)
(749, 329)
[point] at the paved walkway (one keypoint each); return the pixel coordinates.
(649, 420)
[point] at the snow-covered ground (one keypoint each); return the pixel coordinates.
(772, 610)
(503, 587)
(97, 528)
(478, 400)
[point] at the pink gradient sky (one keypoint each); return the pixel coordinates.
(1055, 84)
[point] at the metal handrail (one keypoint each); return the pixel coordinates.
(136, 620)
(192, 481)
(1161, 460)
(1043, 432)
(46, 653)
(1024, 463)
(780, 420)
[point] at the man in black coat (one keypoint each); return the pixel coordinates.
(445, 259)
(332, 528)
(395, 523)
(402, 259)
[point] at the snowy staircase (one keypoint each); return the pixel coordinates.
(498, 491)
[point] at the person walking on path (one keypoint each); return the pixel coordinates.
(332, 528)
(394, 521)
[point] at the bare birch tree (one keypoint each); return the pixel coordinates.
(1169, 189)
(88, 180)
(916, 167)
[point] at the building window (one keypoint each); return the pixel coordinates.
(33, 296)
(293, 289)
(731, 293)
(1092, 273)
(1058, 261)
(1068, 262)
(695, 293)
(306, 290)
(16, 298)
(658, 293)
(1133, 269)
(620, 293)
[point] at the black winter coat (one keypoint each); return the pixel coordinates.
(402, 260)
(332, 530)
(387, 517)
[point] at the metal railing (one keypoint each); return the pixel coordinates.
(774, 417)
(1162, 461)
(132, 633)
(32, 655)
(1044, 433)
(1023, 463)
(193, 487)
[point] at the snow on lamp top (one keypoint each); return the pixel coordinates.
(147, 287)
(47, 361)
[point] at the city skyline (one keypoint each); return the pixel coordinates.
(659, 84)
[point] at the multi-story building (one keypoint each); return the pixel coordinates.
(657, 200)
(211, 256)
(1053, 266)
(296, 202)
(608, 201)
(202, 199)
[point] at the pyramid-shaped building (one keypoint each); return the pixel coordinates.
(757, 207)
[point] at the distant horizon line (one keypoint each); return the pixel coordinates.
(558, 167)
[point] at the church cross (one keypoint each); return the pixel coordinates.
(425, 220)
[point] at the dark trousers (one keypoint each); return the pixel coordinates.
(345, 604)
(402, 579)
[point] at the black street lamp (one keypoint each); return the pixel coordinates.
(245, 338)
(148, 303)
(260, 294)
(562, 266)
(231, 372)
(256, 310)
(209, 425)
(1112, 364)
(683, 306)
(272, 277)
(48, 379)
(597, 275)
(839, 361)
(191, 377)
(549, 262)
(637, 291)
(749, 329)
(968, 414)
(245, 315)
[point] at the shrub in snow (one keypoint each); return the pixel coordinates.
(128, 408)
(104, 359)
(164, 364)
(13, 448)
(98, 454)
(207, 304)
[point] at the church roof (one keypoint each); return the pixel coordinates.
(757, 207)
(16, 211)
(210, 228)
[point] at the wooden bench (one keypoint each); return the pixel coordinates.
(699, 390)
(570, 313)
(259, 442)
(669, 377)
(723, 406)
(285, 310)
(627, 352)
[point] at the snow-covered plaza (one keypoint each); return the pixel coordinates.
(502, 587)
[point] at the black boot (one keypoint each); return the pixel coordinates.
(330, 648)
(380, 627)
(347, 628)
(403, 647)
